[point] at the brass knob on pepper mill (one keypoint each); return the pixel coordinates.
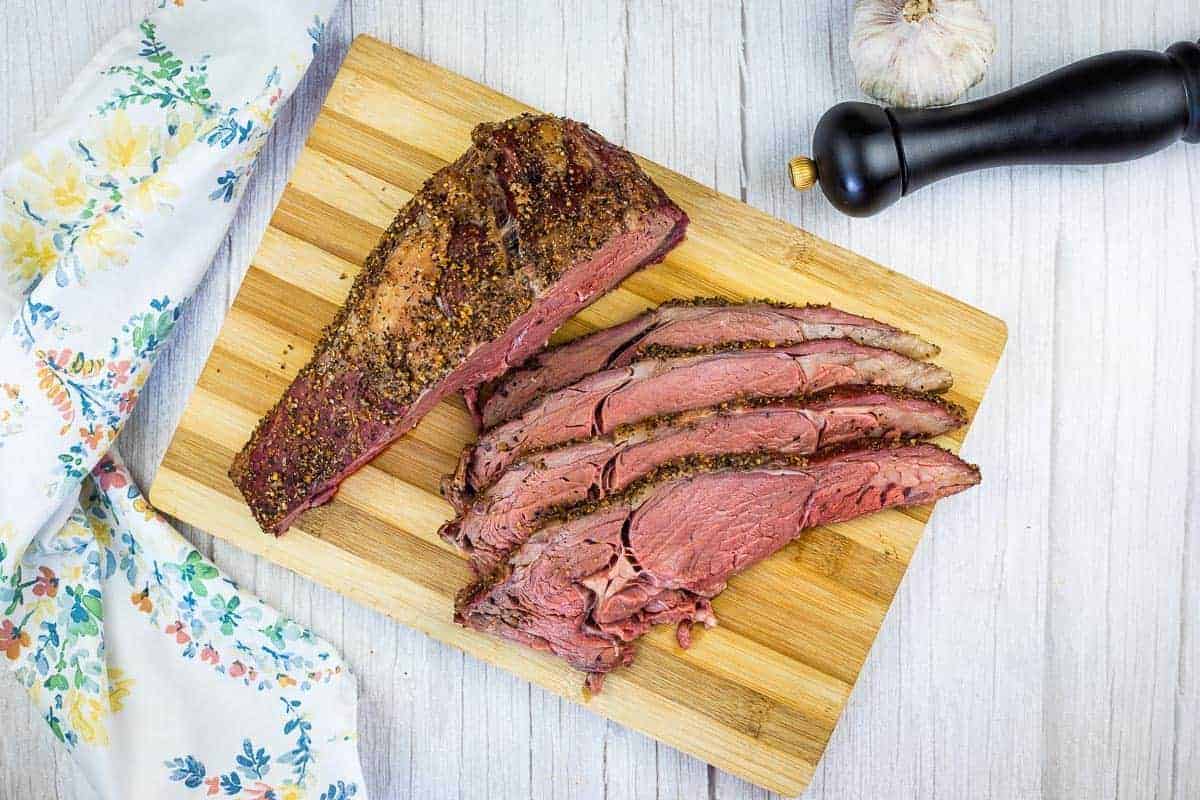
(804, 172)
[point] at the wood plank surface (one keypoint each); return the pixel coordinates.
(1021, 649)
(760, 695)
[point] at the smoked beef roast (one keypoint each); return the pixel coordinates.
(687, 325)
(538, 218)
(604, 401)
(504, 515)
(587, 586)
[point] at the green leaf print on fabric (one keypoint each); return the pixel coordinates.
(194, 572)
(158, 81)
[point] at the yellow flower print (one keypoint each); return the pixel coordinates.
(8, 533)
(12, 410)
(27, 252)
(55, 189)
(289, 791)
(264, 114)
(72, 531)
(119, 688)
(103, 532)
(185, 134)
(144, 508)
(86, 715)
(104, 244)
(127, 149)
(10, 402)
(46, 608)
(147, 194)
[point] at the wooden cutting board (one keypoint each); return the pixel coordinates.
(757, 696)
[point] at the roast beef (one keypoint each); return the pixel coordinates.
(682, 326)
(586, 587)
(504, 515)
(539, 217)
(602, 402)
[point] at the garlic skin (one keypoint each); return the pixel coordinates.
(920, 53)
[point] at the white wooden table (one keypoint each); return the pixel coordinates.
(1046, 641)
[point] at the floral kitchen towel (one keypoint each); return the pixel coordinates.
(156, 672)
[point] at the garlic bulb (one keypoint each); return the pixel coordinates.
(919, 53)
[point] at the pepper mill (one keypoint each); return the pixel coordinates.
(1108, 108)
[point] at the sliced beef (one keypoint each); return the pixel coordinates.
(602, 402)
(539, 217)
(503, 516)
(682, 326)
(587, 587)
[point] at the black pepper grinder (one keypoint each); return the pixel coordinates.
(1105, 109)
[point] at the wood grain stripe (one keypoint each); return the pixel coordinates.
(368, 198)
(336, 231)
(301, 264)
(344, 139)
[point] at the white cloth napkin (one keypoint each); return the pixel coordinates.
(156, 672)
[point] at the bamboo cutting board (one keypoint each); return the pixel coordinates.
(757, 696)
